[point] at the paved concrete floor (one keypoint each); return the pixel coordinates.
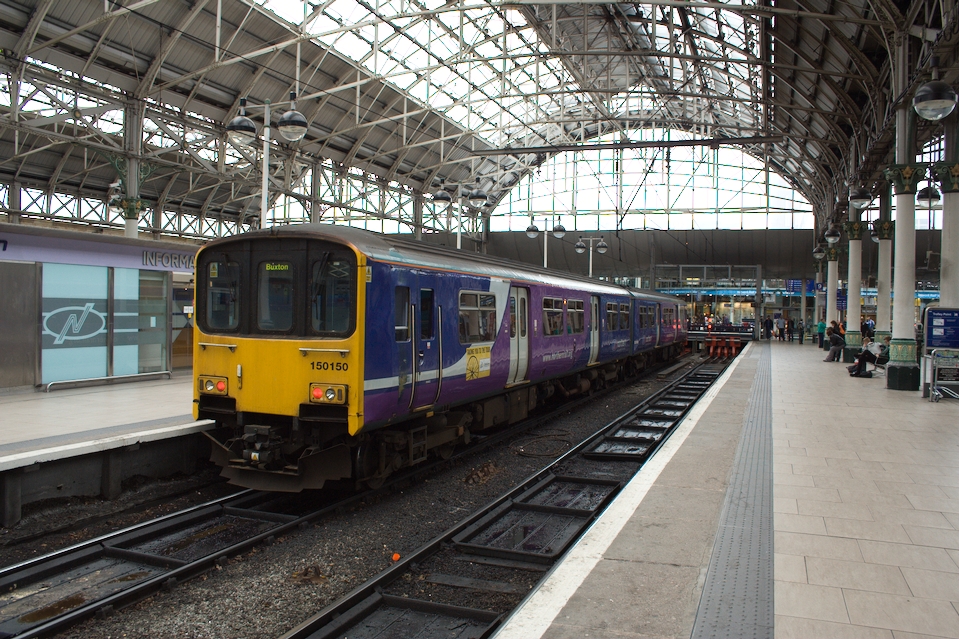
(866, 504)
(866, 516)
(40, 419)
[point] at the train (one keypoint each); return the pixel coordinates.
(325, 352)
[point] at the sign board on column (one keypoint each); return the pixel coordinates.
(942, 328)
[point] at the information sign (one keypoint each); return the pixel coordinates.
(794, 286)
(942, 328)
(947, 375)
(842, 302)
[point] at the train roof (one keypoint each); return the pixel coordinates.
(391, 248)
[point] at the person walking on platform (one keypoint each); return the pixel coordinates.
(802, 330)
(768, 327)
(781, 328)
(821, 330)
(836, 344)
(790, 328)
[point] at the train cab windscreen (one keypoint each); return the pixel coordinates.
(331, 295)
(222, 285)
(274, 288)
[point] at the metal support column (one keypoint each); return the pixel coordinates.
(832, 284)
(902, 371)
(760, 309)
(886, 229)
(133, 145)
(13, 203)
(854, 230)
(947, 172)
(418, 215)
(802, 303)
(817, 304)
(316, 175)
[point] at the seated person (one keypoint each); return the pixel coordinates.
(836, 344)
(871, 352)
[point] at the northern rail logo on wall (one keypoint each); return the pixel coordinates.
(72, 324)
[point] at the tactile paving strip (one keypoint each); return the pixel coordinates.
(737, 598)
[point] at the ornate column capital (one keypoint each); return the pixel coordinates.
(131, 207)
(904, 177)
(855, 228)
(885, 228)
(832, 254)
(948, 176)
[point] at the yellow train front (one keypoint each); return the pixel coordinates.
(279, 370)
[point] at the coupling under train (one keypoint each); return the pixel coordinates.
(329, 353)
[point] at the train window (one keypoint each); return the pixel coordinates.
(221, 301)
(512, 316)
(577, 315)
(552, 316)
(477, 317)
(522, 317)
(624, 316)
(331, 293)
(612, 317)
(274, 309)
(426, 313)
(401, 312)
(668, 314)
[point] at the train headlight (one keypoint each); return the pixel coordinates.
(327, 393)
(212, 385)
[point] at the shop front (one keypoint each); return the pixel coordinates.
(83, 306)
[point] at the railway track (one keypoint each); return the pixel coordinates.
(503, 550)
(48, 594)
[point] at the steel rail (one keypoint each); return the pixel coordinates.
(111, 546)
(339, 615)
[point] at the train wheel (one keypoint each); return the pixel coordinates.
(366, 461)
(445, 451)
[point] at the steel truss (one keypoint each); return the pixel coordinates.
(106, 105)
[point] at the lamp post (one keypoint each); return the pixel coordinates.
(559, 231)
(242, 133)
(927, 198)
(818, 254)
(442, 200)
(601, 247)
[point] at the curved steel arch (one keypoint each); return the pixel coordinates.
(530, 72)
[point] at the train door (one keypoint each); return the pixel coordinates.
(404, 345)
(426, 373)
(593, 329)
(658, 318)
(518, 334)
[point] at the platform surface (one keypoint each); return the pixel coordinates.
(864, 517)
(76, 421)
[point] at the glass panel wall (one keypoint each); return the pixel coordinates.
(153, 314)
(100, 322)
(74, 333)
